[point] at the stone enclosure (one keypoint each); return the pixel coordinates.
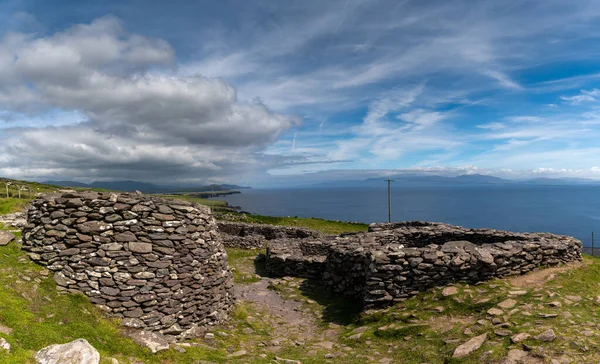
(161, 264)
(158, 264)
(256, 236)
(395, 261)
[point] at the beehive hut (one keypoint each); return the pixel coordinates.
(156, 263)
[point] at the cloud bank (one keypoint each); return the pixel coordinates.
(135, 120)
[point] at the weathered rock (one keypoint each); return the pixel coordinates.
(6, 237)
(140, 247)
(75, 352)
(547, 336)
(495, 312)
(4, 345)
(449, 291)
(152, 340)
(522, 336)
(507, 304)
(517, 356)
(470, 346)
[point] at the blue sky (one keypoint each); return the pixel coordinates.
(279, 92)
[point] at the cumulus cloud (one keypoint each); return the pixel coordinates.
(138, 122)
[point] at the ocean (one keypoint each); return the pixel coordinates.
(568, 210)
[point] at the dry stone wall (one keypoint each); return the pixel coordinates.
(392, 262)
(255, 236)
(156, 263)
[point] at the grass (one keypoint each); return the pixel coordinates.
(9, 205)
(243, 265)
(40, 316)
(409, 332)
(325, 226)
(421, 333)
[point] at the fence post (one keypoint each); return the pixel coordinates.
(592, 243)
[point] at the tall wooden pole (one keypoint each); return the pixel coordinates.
(389, 199)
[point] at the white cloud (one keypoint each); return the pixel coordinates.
(492, 126)
(584, 96)
(138, 122)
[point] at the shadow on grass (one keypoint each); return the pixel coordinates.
(337, 308)
(259, 265)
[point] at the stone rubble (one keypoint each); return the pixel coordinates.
(255, 236)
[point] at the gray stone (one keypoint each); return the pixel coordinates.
(126, 237)
(142, 248)
(75, 352)
(517, 338)
(6, 237)
(4, 345)
(547, 336)
(470, 346)
(154, 341)
(449, 291)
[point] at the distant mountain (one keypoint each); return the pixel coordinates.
(131, 186)
(480, 178)
(66, 183)
(462, 179)
(562, 181)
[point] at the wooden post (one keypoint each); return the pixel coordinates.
(389, 199)
(592, 243)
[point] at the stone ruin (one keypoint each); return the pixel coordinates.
(256, 236)
(156, 263)
(395, 261)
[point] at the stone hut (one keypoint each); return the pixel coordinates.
(156, 263)
(395, 261)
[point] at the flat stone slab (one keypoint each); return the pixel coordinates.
(152, 340)
(470, 346)
(6, 237)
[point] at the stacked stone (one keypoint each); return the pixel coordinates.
(296, 258)
(395, 274)
(346, 269)
(386, 266)
(156, 263)
(255, 236)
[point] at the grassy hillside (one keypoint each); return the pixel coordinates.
(425, 328)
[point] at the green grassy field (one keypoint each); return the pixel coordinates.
(9, 205)
(326, 226)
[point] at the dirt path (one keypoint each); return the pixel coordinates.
(290, 318)
(539, 277)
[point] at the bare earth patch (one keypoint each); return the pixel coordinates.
(443, 324)
(539, 278)
(290, 319)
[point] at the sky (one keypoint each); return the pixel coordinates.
(280, 92)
